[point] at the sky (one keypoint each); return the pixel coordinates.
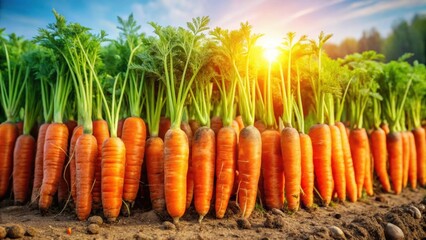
(273, 18)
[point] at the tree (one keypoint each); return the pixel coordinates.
(370, 40)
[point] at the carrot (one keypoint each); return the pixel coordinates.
(23, 158)
(78, 131)
(216, 124)
(394, 147)
(338, 163)
(412, 166)
(291, 157)
(9, 134)
(120, 127)
(53, 162)
(405, 157)
(113, 170)
(260, 125)
(249, 161)
(226, 148)
(321, 145)
(134, 137)
(240, 122)
(189, 178)
(71, 124)
(63, 189)
(154, 166)
(165, 124)
(236, 128)
(86, 151)
(385, 127)
(203, 164)
(368, 181)
(351, 188)
(101, 133)
(420, 139)
(176, 153)
(379, 152)
(194, 124)
(308, 177)
(38, 164)
(20, 126)
(272, 169)
(358, 143)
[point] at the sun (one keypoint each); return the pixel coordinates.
(270, 48)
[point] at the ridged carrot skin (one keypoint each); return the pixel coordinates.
(291, 157)
(113, 168)
(379, 152)
(358, 140)
(53, 162)
(101, 133)
(321, 146)
(412, 166)
(78, 131)
(216, 124)
(405, 158)
(226, 163)
(38, 164)
(23, 160)
(394, 146)
(86, 151)
(368, 181)
(154, 152)
(9, 134)
(351, 187)
(134, 137)
(203, 163)
(272, 169)
(338, 163)
(248, 165)
(176, 154)
(184, 126)
(420, 139)
(308, 176)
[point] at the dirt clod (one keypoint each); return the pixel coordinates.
(168, 225)
(93, 228)
(336, 232)
(421, 207)
(3, 232)
(150, 217)
(32, 232)
(243, 223)
(15, 231)
(338, 216)
(278, 212)
(141, 236)
(393, 232)
(381, 198)
(96, 220)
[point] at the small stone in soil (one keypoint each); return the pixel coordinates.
(93, 228)
(415, 212)
(96, 220)
(278, 212)
(16, 231)
(243, 223)
(336, 232)
(168, 225)
(421, 207)
(2, 232)
(380, 198)
(338, 216)
(141, 236)
(32, 232)
(393, 232)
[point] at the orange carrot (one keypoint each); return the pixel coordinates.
(378, 149)
(101, 133)
(38, 165)
(338, 163)
(63, 189)
(272, 169)
(53, 162)
(351, 188)
(113, 169)
(412, 166)
(321, 145)
(240, 122)
(165, 124)
(176, 154)
(189, 178)
(86, 151)
(226, 148)
(216, 124)
(120, 127)
(20, 126)
(308, 176)
(405, 157)
(23, 158)
(420, 139)
(249, 161)
(394, 146)
(78, 131)
(236, 128)
(9, 134)
(194, 124)
(368, 181)
(203, 163)
(71, 124)
(358, 143)
(291, 157)
(260, 125)
(154, 166)
(134, 137)
(385, 127)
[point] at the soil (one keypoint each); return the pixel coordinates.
(366, 219)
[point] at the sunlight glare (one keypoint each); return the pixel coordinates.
(270, 48)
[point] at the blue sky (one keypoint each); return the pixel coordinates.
(274, 18)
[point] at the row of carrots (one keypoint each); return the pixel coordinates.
(209, 117)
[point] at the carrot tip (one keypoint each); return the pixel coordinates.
(175, 220)
(200, 219)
